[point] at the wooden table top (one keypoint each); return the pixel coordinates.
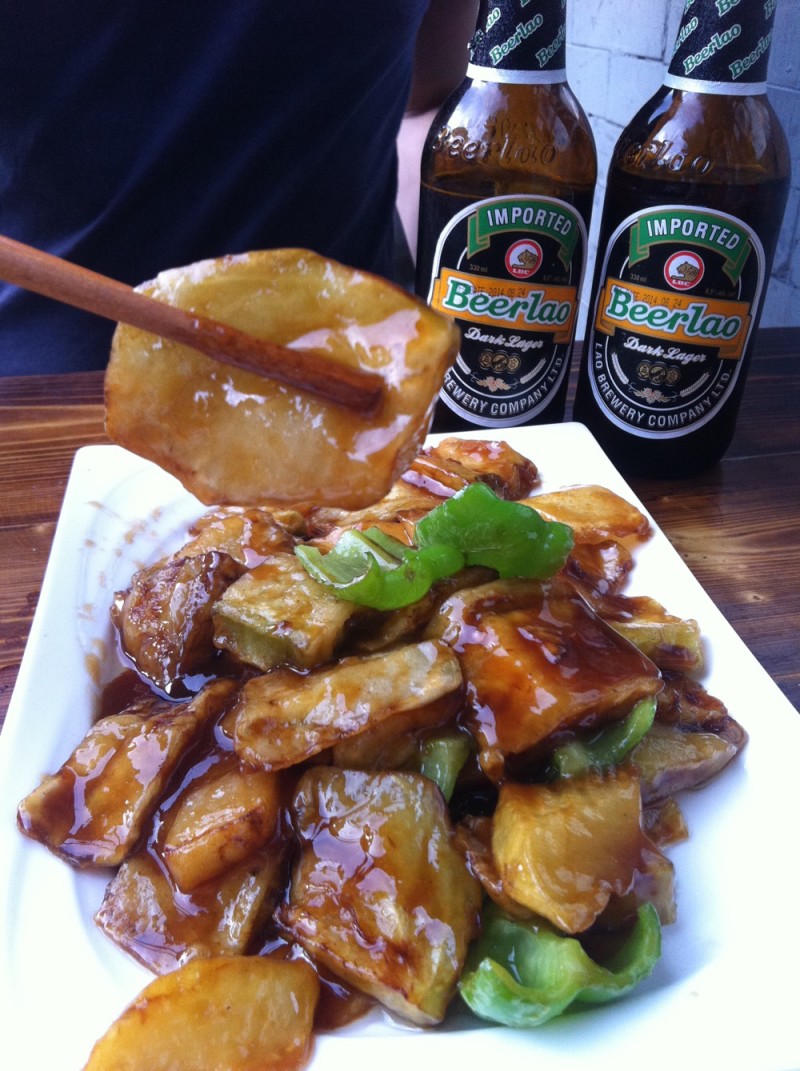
(735, 526)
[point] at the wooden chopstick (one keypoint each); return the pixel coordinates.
(307, 370)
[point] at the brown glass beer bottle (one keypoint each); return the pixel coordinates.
(696, 191)
(508, 175)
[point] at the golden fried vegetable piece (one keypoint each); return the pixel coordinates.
(236, 437)
(654, 880)
(390, 627)
(396, 513)
(536, 660)
(594, 513)
(685, 702)
(392, 743)
(247, 535)
(380, 895)
(654, 883)
(240, 1013)
(563, 849)
(164, 619)
(692, 740)
(474, 838)
(284, 717)
(672, 758)
(599, 568)
(225, 814)
(142, 914)
(93, 810)
(664, 822)
(278, 614)
(453, 463)
(671, 642)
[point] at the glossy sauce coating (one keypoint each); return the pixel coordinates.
(537, 660)
(380, 894)
(221, 431)
(93, 810)
(146, 911)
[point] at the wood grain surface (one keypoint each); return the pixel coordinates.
(736, 526)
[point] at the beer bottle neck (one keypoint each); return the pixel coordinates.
(519, 41)
(723, 47)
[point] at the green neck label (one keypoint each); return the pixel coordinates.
(723, 236)
(507, 214)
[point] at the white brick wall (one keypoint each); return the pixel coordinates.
(617, 53)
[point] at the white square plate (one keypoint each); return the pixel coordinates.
(725, 993)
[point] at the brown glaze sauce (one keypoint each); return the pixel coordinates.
(338, 1004)
(121, 692)
(538, 662)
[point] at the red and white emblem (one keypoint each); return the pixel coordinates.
(523, 258)
(684, 270)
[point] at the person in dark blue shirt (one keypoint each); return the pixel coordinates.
(146, 134)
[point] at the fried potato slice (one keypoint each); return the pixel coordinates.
(391, 744)
(536, 660)
(673, 643)
(278, 614)
(164, 619)
(654, 883)
(283, 717)
(454, 463)
(142, 914)
(594, 513)
(599, 568)
(236, 437)
(381, 896)
(247, 535)
(396, 513)
(390, 627)
(563, 849)
(93, 810)
(474, 838)
(240, 1013)
(227, 811)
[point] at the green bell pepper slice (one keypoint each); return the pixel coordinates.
(441, 759)
(374, 569)
(522, 974)
(474, 527)
(609, 746)
(490, 531)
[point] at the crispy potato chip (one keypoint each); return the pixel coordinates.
(236, 437)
